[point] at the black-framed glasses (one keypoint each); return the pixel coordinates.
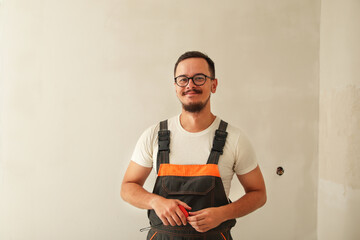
(198, 80)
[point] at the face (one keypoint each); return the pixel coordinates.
(194, 98)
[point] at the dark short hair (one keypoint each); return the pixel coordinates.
(197, 54)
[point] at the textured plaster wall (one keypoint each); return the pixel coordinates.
(339, 136)
(81, 79)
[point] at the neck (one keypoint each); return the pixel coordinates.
(197, 122)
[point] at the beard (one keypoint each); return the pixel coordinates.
(195, 107)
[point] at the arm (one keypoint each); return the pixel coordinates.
(254, 198)
(132, 191)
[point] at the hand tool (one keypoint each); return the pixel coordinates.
(181, 208)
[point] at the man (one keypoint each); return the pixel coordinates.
(194, 168)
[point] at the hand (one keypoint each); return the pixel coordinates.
(169, 212)
(205, 219)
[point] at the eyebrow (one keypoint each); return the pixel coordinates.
(183, 75)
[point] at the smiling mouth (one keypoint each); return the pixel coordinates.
(191, 92)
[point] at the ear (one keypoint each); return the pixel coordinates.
(214, 84)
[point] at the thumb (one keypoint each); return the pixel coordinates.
(184, 205)
(195, 213)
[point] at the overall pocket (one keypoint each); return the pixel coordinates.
(176, 185)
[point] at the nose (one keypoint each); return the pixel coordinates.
(191, 83)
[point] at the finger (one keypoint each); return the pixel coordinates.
(196, 212)
(176, 217)
(195, 219)
(171, 221)
(196, 215)
(184, 205)
(173, 217)
(181, 216)
(203, 229)
(164, 221)
(199, 228)
(201, 222)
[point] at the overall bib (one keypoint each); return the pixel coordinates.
(199, 186)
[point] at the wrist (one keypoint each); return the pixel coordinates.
(154, 200)
(225, 213)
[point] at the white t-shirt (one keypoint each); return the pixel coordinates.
(194, 148)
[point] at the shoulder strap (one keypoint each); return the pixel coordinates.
(163, 143)
(218, 143)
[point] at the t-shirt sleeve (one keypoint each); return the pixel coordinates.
(143, 152)
(245, 156)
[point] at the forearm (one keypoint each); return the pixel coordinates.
(137, 196)
(255, 197)
(209, 218)
(243, 206)
(167, 209)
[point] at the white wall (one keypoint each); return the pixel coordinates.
(339, 138)
(80, 81)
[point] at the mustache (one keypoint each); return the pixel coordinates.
(192, 90)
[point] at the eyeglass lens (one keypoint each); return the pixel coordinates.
(198, 80)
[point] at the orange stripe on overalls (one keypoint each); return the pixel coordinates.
(189, 170)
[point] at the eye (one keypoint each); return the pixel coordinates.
(182, 79)
(199, 78)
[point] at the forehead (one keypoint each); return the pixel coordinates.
(191, 66)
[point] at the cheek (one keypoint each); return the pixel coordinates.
(177, 91)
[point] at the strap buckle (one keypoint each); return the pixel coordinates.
(164, 140)
(219, 141)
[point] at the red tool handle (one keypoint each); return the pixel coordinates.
(184, 210)
(181, 208)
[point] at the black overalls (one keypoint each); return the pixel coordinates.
(199, 186)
